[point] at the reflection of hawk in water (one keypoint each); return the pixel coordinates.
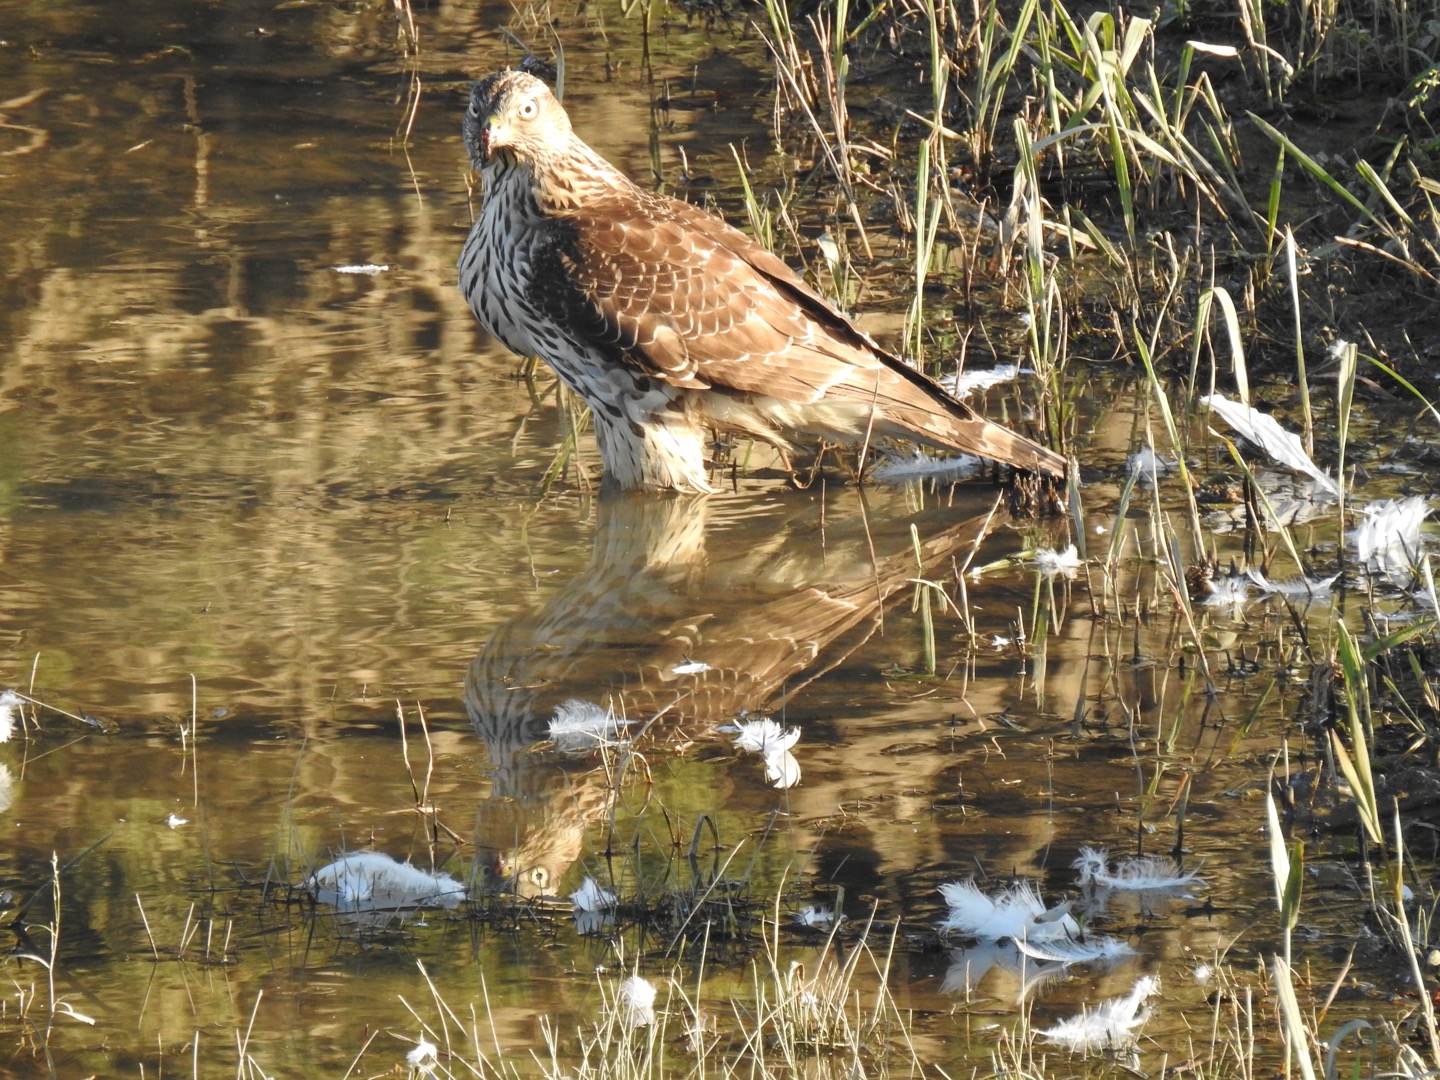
(769, 608)
(670, 323)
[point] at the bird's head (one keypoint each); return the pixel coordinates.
(512, 113)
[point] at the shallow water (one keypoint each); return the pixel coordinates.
(300, 501)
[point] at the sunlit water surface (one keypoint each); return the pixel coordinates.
(304, 501)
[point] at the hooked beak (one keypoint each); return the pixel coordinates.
(491, 136)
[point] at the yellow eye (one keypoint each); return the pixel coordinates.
(528, 110)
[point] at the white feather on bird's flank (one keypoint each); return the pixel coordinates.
(583, 725)
(1014, 912)
(1388, 540)
(636, 1001)
(10, 703)
(1074, 950)
(1113, 1023)
(899, 469)
(1051, 562)
(691, 667)
(1265, 432)
(1142, 873)
(962, 384)
(592, 896)
(372, 881)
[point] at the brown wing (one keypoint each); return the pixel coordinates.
(686, 296)
(679, 293)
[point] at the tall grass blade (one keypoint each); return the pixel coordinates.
(1345, 399)
(1297, 1035)
(1302, 381)
(1402, 921)
(1356, 764)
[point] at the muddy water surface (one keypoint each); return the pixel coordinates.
(299, 499)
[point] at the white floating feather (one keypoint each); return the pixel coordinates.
(1142, 873)
(1014, 912)
(1113, 1023)
(1227, 590)
(583, 725)
(424, 1058)
(10, 703)
(962, 384)
(1051, 562)
(592, 896)
(636, 999)
(1074, 950)
(1265, 432)
(921, 466)
(816, 915)
(766, 736)
(1091, 862)
(1229, 51)
(1302, 588)
(372, 881)
(1388, 540)
(782, 770)
(1148, 466)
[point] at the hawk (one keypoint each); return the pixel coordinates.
(669, 323)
